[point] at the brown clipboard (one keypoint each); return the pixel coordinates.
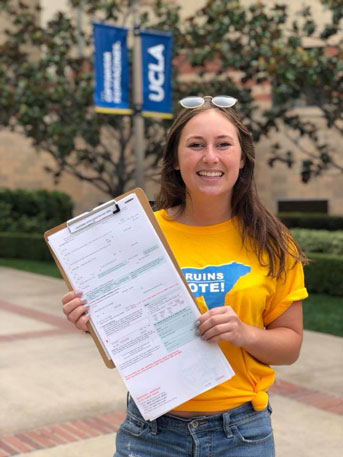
(147, 208)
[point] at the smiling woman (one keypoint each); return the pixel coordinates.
(245, 272)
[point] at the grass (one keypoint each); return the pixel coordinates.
(33, 266)
(322, 313)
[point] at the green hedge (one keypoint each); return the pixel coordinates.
(33, 211)
(324, 273)
(30, 246)
(312, 221)
(322, 241)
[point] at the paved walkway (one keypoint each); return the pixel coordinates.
(59, 400)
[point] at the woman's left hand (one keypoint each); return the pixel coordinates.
(223, 324)
(278, 343)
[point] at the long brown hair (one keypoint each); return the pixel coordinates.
(256, 223)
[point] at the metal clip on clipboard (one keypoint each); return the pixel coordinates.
(91, 217)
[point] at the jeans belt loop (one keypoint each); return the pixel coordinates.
(226, 424)
(153, 427)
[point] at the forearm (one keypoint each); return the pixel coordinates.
(273, 346)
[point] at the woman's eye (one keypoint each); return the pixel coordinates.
(224, 144)
(196, 145)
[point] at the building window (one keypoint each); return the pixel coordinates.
(311, 96)
(303, 206)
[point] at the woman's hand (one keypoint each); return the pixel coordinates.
(223, 324)
(277, 344)
(75, 308)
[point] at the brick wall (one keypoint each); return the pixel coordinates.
(21, 166)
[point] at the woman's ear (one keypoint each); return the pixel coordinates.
(242, 161)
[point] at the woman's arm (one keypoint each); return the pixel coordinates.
(277, 344)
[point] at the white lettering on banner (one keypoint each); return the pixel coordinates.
(116, 49)
(156, 73)
(107, 78)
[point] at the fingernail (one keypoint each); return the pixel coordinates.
(197, 323)
(85, 305)
(197, 332)
(86, 313)
(78, 292)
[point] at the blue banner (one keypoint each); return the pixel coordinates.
(156, 50)
(111, 92)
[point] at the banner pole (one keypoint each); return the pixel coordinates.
(79, 31)
(138, 120)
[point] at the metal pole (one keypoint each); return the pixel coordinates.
(79, 31)
(138, 120)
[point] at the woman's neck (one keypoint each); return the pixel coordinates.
(202, 212)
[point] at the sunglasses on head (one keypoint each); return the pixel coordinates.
(221, 101)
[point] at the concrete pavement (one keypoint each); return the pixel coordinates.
(59, 400)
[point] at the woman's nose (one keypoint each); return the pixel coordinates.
(210, 155)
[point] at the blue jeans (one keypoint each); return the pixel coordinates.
(239, 432)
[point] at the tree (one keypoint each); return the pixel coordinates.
(46, 87)
(263, 46)
(46, 92)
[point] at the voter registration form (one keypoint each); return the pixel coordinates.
(140, 307)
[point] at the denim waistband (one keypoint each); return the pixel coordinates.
(223, 420)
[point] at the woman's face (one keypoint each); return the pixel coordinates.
(209, 155)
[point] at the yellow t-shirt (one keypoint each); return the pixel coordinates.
(219, 271)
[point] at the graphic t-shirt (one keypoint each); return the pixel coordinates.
(221, 272)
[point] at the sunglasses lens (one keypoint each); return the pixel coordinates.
(224, 101)
(192, 102)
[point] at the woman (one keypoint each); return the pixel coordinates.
(246, 274)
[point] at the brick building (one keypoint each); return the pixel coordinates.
(21, 166)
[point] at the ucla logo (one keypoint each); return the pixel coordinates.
(156, 72)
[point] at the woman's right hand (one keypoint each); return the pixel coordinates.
(75, 307)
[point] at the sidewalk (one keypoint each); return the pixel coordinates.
(59, 400)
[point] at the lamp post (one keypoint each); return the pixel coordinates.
(138, 120)
(79, 31)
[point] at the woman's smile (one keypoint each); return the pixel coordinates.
(210, 173)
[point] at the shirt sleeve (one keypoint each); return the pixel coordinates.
(288, 289)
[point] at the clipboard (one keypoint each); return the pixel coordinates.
(84, 220)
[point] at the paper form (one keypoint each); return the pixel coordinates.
(141, 309)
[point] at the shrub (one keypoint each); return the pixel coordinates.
(33, 211)
(324, 273)
(312, 221)
(319, 240)
(30, 246)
